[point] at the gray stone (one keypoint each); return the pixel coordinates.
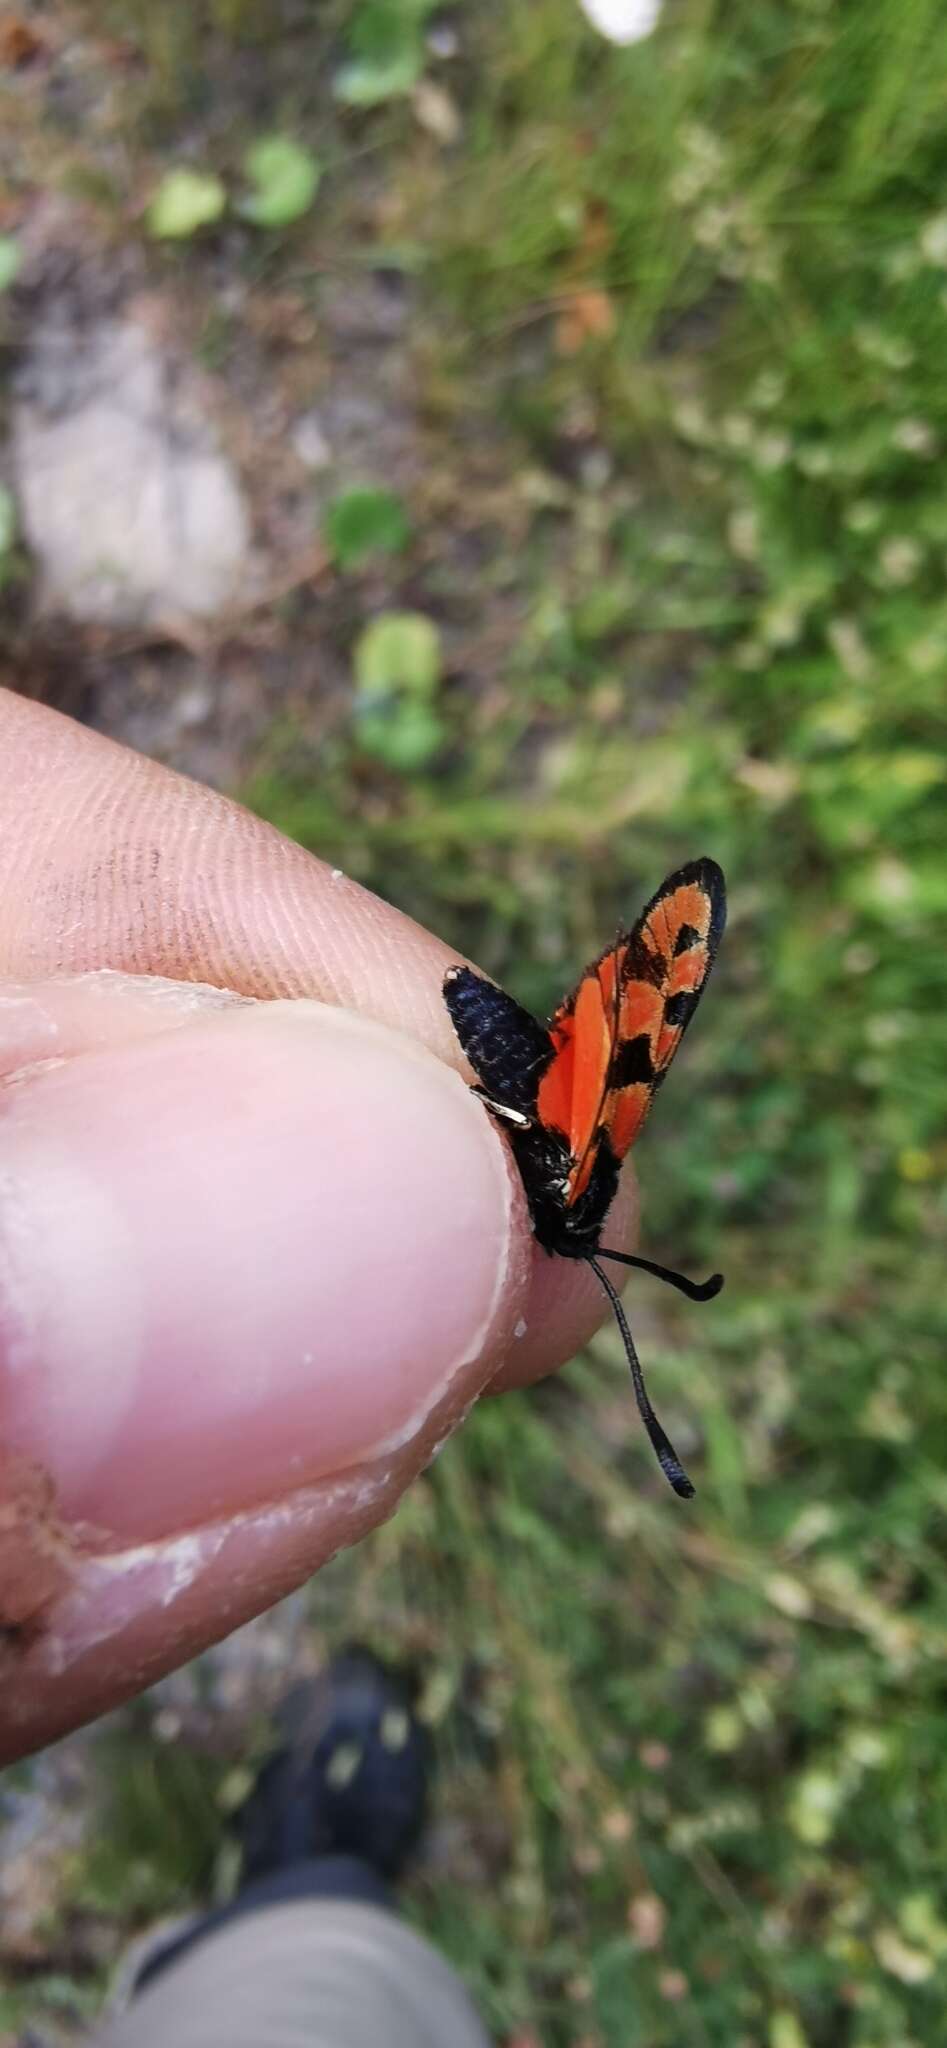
(310, 443)
(132, 512)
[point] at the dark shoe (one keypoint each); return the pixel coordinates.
(334, 1813)
(349, 1777)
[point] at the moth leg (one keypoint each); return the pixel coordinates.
(502, 1109)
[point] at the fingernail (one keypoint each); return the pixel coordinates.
(240, 1257)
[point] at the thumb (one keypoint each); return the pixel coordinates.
(255, 1261)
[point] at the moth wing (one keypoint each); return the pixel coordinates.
(573, 1091)
(669, 955)
(595, 1072)
(506, 1046)
(615, 1037)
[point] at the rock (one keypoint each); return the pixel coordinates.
(309, 442)
(132, 512)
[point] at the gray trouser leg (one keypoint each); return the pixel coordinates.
(312, 1973)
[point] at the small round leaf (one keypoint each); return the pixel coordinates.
(9, 260)
(403, 733)
(369, 82)
(7, 520)
(398, 653)
(184, 202)
(285, 177)
(363, 522)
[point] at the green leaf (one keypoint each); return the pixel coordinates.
(397, 670)
(7, 520)
(398, 653)
(365, 83)
(388, 53)
(185, 201)
(286, 177)
(402, 733)
(382, 28)
(10, 260)
(785, 2031)
(364, 522)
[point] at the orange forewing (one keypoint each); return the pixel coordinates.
(594, 1025)
(688, 904)
(622, 1002)
(573, 1089)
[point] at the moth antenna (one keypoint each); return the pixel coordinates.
(660, 1443)
(695, 1290)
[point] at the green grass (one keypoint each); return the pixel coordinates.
(729, 636)
(735, 644)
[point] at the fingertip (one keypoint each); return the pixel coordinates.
(243, 1256)
(236, 1319)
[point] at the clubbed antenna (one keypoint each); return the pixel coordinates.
(695, 1290)
(660, 1443)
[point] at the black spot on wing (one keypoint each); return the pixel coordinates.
(706, 875)
(632, 1062)
(679, 1009)
(506, 1046)
(687, 937)
(643, 963)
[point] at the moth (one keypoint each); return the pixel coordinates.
(572, 1094)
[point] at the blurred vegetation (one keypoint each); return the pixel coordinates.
(696, 292)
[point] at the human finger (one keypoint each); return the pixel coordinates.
(228, 1339)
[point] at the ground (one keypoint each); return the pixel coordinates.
(645, 347)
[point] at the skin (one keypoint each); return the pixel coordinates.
(260, 1248)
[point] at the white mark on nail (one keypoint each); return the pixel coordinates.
(113, 1594)
(521, 1327)
(184, 1559)
(32, 1069)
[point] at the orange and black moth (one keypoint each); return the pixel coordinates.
(572, 1095)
